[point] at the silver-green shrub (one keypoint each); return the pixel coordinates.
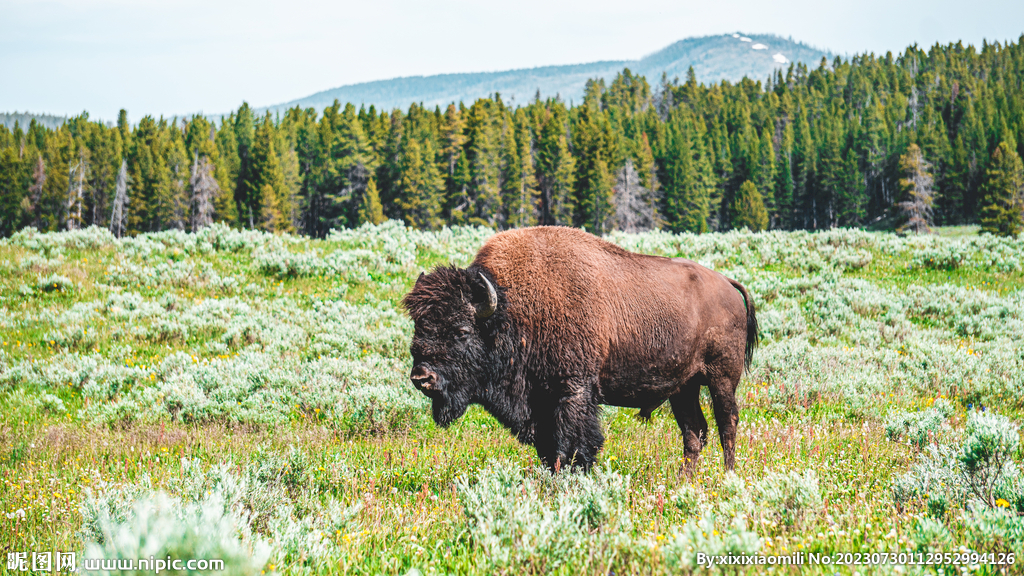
(711, 534)
(921, 427)
(160, 526)
(981, 468)
(271, 510)
(788, 498)
(54, 283)
(987, 454)
(545, 520)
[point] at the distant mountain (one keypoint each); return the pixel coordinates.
(23, 119)
(724, 57)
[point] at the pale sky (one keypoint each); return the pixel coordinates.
(184, 56)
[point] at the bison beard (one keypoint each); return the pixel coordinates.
(548, 323)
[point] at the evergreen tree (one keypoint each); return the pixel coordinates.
(51, 209)
(804, 173)
(124, 128)
(686, 176)
(453, 140)
(784, 216)
(872, 144)
(561, 205)
(421, 187)
(459, 205)
(290, 195)
(12, 183)
(227, 170)
(105, 151)
(628, 93)
(265, 182)
(348, 165)
(646, 169)
(392, 155)
(143, 174)
(595, 202)
(484, 155)
(830, 189)
(247, 185)
(724, 173)
(748, 208)
(850, 205)
(371, 211)
(511, 173)
(764, 172)
(953, 193)
(1003, 201)
(556, 170)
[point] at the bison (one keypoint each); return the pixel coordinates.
(548, 323)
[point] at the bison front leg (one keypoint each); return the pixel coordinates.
(570, 435)
(690, 418)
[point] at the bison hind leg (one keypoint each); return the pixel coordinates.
(727, 415)
(690, 418)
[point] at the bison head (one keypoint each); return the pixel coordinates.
(453, 343)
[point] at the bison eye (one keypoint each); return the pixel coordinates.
(464, 331)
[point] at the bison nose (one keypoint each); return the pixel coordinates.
(423, 379)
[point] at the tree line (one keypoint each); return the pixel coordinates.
(923, 138)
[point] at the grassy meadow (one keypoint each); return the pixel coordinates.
(244, 396)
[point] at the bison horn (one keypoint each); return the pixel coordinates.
(485, 310)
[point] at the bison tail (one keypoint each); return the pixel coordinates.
(753, 335)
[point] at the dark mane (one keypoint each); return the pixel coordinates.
(433, 288)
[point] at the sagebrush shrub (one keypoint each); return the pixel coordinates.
(268, 511)
(788, 497)
(542, 519)
(921, 427)
(987, 454)
(160, 526)
(710, 534)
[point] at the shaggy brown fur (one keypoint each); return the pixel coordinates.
(581, 322)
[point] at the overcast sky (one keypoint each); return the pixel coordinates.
(182, 56)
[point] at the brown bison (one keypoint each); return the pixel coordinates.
(548, 323)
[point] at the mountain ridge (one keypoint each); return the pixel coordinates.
(714, 58)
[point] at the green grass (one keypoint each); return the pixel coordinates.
(406, 478)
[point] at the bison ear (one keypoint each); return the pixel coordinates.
(420, 277)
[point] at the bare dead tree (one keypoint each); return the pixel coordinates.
(69, 207)
(76, 193)
(119, 215)
(634, 204)
(35, 190)
(204, 190)
(917, 186)
(179, 197)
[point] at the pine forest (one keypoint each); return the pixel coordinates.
(924, 138)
